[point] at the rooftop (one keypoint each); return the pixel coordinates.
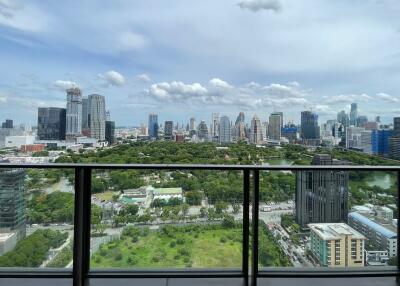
(331, 231)
(385, 229)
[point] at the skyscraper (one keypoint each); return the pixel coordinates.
(192, 125)
(256, 130)
(343, 118)
(380, 140)
(202, 131)
(215, 127)
(110, 132)
(394, 140)
(321, 196)
(274, 126)
(153, 126)
(12, 202)
(97, 117)
(240, 118)
(224, 130)
(168, 126)
(51, 123)
(108, 116)
(85, 113)
(7, 124)
(353, 114)
(74, 113)
(309, 128)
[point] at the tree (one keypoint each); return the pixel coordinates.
(220, 207)
(132, 209)
(392, 261)
(228, 221)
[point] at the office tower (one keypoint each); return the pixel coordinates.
(215, 127)
(192, 125)
(202, 131)
(336, 245)
(380, 141)
(384, 236)
(274, 126)
(256, 130)
(240, 118)
(7, 124)
(74, 113)
(396, 126)
(366, 141)
(168, 126)
(51, 123)
(343, 118)
(108, 116)
(280, 113)
(353, 114)
(394, 140)
(353, 136)
(362, 120)
(12, 202)
(378, 119)
(153, 126)
(224, 135)
(97, 111)
(110, 132)
(85, 113)
(143, 129)
(309, 128)
(321, 196)
(240, 131)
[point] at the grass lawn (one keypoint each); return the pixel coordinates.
(106, 196)
(185, 247)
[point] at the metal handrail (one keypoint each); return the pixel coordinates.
(81, 254)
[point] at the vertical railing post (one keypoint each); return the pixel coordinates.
(246, 226)
(81, 225)
(254, 219)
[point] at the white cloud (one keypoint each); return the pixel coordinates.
(176, 91)
(143, 77)
(220, 84)
(3, 99)
(131, 41)
(257, 5)
(347, 98)
(112, 78)
(387, 97)
(64, 84)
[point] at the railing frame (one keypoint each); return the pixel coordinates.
(81, 272)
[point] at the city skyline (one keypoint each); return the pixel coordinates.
(140, 68)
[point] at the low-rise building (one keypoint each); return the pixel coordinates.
(7, 242)
(165, 193)
(336, 245)
(382, 235)
(376, 257)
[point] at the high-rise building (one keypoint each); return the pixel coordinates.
(396, 126)
(321, 196)
(202, 131)
(7, 124)
(192, 125)
(108, 116)
(362, 120)
(256, 135)
(378, 119)
(110, 132)
(224, 135)
(74, 113)
(12, 201)
(85, 113)
(343, 118)
(214, 127)
(394, 140)
(336, 245)
(380, 141)
(97, 116)
(289, 131)
(240, 118)
(153, 126)
(353, 114)
(310, 133)
(275, 126)
(168, 126)
(51, 123)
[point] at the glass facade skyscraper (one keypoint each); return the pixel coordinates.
(51, 123)
(153, 126)
(97, 115)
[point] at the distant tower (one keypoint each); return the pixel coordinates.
(256, 130)
(97, 116)
(202, 131)
(192, 125)
(168, 126)
(224, 135)
(108, 116)
(153, 126)
(353, 114)
(215, 126)
(74, 113)
(274, 126)
(310, 133)
(51, 123)
(85, 112)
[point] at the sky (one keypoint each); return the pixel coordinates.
(189, 58)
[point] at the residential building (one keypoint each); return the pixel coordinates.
(381, 236)
(322, 196)
(153, 126)
(343, 118)
(256, 135)
(380, 141)
(214, 128)
(336, 245)
(97, 115)
(224, 135)
(73, 113)
(51, 123)
(202, 131)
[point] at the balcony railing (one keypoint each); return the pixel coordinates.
(249, 271)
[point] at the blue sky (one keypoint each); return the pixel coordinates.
(183, 58)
